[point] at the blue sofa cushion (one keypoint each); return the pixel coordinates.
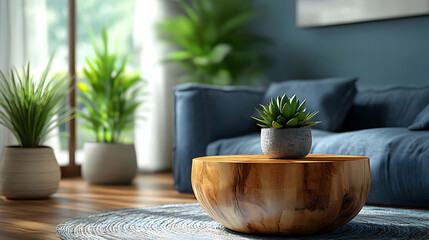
(422, 120)
(246, 144)
(399, 159)
(393, 107)
(399, 162)
(332, 97)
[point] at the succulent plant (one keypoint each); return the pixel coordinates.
(285, 112)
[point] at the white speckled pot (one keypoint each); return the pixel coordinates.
(109, 163)
(28, 173)
(286, 142)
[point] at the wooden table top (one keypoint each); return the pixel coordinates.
(311, 158)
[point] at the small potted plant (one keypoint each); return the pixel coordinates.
(31, 110)
(286, 131)
(110, 96)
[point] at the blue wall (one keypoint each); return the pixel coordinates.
(381, 53)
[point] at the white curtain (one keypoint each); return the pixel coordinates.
(154, 136)
(23, 39)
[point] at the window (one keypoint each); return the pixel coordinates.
(91, 15)
(57, 18)
(118, 18)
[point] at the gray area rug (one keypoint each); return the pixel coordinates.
(189, 221)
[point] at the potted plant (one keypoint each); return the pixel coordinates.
(212, 40)
(286, 131)
(110, 96)
(31, 110)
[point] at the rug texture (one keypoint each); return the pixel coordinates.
(189, 221)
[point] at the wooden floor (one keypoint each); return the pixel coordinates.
(38, 219)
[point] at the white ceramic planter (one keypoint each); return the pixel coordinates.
(28, 173)
(109, 163)
(286, 142)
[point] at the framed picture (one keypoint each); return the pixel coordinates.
(315, 13)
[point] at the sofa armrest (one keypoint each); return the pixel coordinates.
(205, 113)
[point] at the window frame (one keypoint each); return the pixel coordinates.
(72, 169)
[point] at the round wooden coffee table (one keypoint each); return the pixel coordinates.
(255, 194)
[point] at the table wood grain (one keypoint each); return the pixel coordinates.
(255, 194)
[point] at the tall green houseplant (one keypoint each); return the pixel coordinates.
(31, 109)
(110, 94)
(214, 43)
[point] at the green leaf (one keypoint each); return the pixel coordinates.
(261, 120)
(219, 52)
(264, 115)
(310, 116)
(278, 102)
(300, 115)
(179, 55)
(276, 125)
(281, 120)
(302, 106)
(189, 11)
(287, 111)
(265, 108)
(273, 109)
(284, 100)
(236, 22)
(293, 104)
(202, 60)
(309, 124)
(292, 123)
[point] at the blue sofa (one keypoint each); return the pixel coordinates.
(212, 120)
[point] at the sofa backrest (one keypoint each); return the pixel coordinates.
(393, 107)
(205, 113)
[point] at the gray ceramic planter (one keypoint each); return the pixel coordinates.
(28, 173)
(109, 163)
(286, 142)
